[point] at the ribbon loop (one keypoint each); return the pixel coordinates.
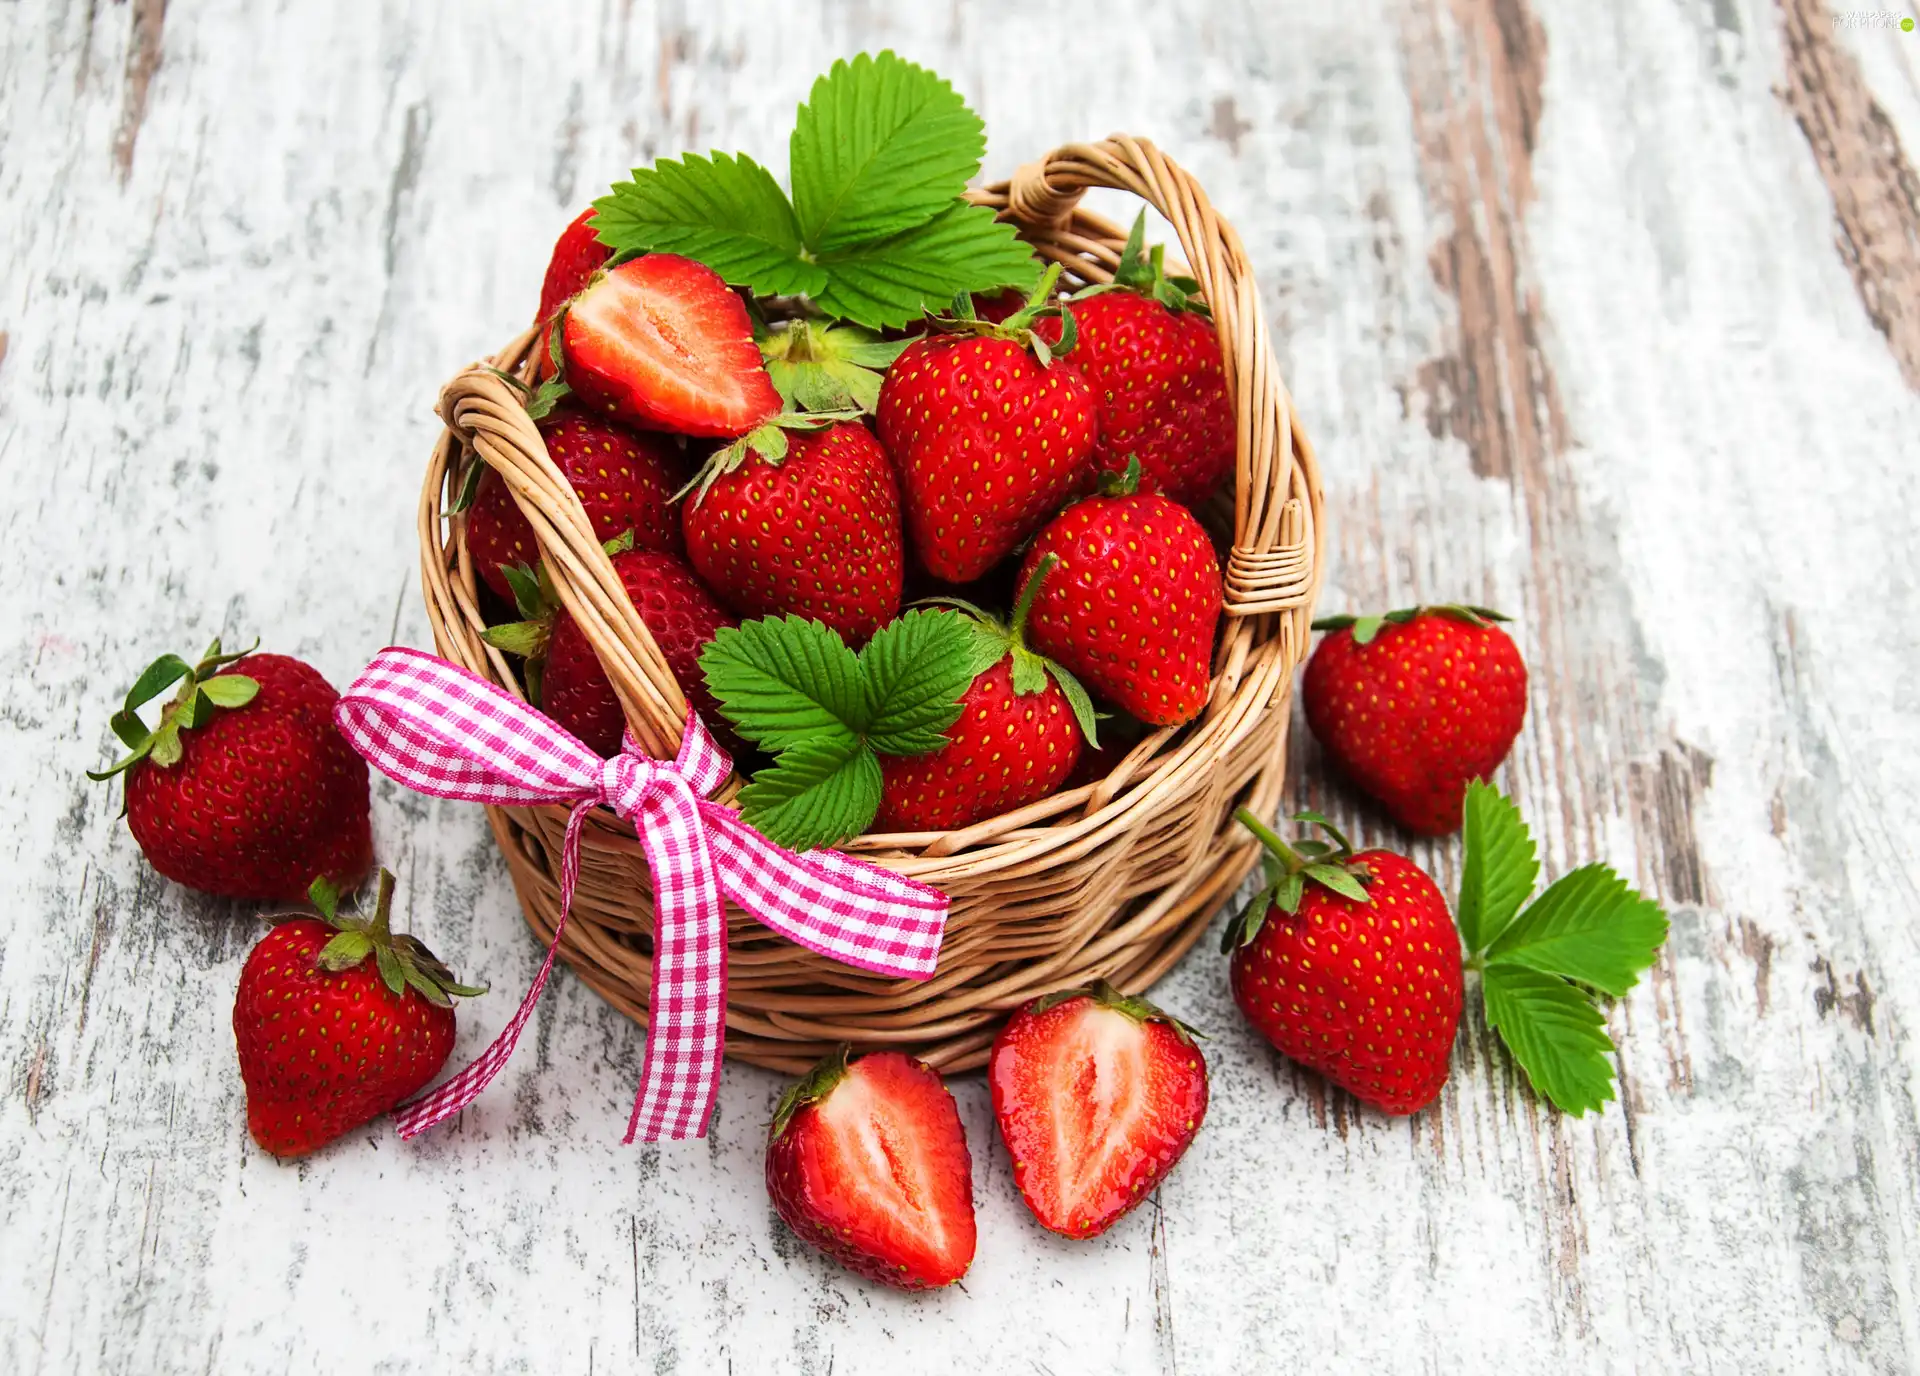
(443, 731)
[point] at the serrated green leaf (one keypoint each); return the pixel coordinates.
(230, 690)
(916, 670)
(786, 680)
(725, 211)
(880, 145)
(1499, 868)
(819, 792)
(1588, 926)
(962, 249)
(1555, 1033)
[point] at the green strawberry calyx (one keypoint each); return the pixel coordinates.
(1135, 1006)
(203, 691)
(1366, 628)
(1330, 864)
(403, 959)
(767, 442)
(810, 1088)
(1122, 482)
(995, 639)
(538, 604)
(1018, 327)
(1145, 271)
(818, 366)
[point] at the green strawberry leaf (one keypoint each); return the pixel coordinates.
(1555, 1033)
(880, 146)
(324, 894)
(1588, 927)
(1499, 869)
(787, 681)
(345, 951)
(819, 792)
(889, 282)
(727, 212)
(230, 690)
(1077, 699)
(917, 668)
(155, 679)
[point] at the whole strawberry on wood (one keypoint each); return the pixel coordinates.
(1133, 608)
(244, 788)
(991, 430)
(1022, 725)
(1097, 1096)
(663, 343)
(1350, 964)
(801, 516)
(577, 255)
(625, 480)
(1148, 349)
(336, 1020)
(564, 675)
(868, 1162)
(1414, 704)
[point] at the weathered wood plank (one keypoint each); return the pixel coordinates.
(1558, 289)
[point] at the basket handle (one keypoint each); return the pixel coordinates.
(1268, 568)
(483, 412)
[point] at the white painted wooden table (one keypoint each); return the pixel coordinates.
(1603, 314)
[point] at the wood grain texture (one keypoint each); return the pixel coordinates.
(1557, 287)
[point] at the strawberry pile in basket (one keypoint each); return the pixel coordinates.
(999, 495)
(915, 530)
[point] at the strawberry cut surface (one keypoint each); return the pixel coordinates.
(663, 343)
(875, 1173)
(1096, 1105)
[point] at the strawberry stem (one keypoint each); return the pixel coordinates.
(1270, 839)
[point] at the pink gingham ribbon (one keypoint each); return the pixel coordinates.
(442, 731)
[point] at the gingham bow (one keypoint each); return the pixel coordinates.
(440, 730)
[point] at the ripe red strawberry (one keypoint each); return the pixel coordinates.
(246, 788)
(662, 342)
(330, 1039)
(868, 1162)
(1148, 350)
(1097, 1096)
(801, 521)
(625, 479)
(576, 257)
(1022, 724)
(1133, 608)
(679, 613)
(991, 433)
(1413, 704)
(1350, 965)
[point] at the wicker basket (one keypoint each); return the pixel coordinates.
(1112, 880)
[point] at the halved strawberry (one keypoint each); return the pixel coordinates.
(868, 1162)
(1097, 1096)
(662, 342)
(577, 255)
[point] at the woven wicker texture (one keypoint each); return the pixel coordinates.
(1112, 880)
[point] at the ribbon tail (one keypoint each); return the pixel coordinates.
(687, 1006)
(437, 1105)
(846, 909)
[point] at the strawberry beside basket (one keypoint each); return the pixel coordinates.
(1112, 880)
